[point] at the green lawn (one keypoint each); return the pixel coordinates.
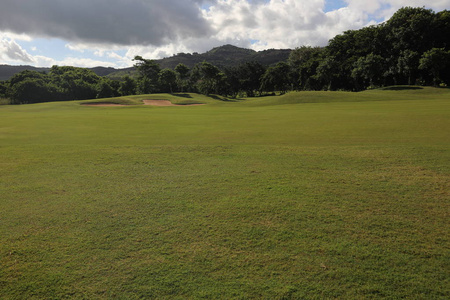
(310, 195)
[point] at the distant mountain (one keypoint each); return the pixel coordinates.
(224, 56)
(7, 71)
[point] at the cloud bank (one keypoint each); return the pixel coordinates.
(120, 22)
(156, 28)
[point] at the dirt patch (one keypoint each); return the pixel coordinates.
(165, 103)
(102, 104)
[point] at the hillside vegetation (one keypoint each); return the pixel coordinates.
(224, 56)
(411, 48)
(307, 195)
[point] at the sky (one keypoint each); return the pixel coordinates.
(110, 33)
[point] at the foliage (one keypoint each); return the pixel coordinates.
(276, 78)
(182, 73)
(304, 62)
(148, 70)
(395, 45)
(369, 70)
(411, 47)
(127, 86)
(433, 61)
(167, 80)
(207, 78)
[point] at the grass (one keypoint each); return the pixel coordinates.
(308, 195)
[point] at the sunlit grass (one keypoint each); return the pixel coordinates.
(249, 199)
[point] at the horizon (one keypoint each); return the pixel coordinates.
(119, 68)
(42, 33)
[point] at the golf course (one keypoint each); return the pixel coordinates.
(306, 195)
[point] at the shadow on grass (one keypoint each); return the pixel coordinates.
(401, 88)
(182, 95)
(221, 98)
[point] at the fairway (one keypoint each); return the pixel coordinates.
(309, 195)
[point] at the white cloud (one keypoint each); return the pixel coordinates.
(277, 24)
(292, 23)
(11, 50)
(42, 61)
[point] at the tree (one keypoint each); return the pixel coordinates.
(104, 90)
(304, 62)
(26, 74)
(182, 72)
(28, 87)
(410, 29)
(3, 89)
(276, 78)
(127, 86)
(249, 76)
(167, 80)
(29, 90)
(433, 61)
(407, 64)
(233, 83)
(148, 74)
(440, 29)
(327, 71)
(369, 69)
(74, 83)
(207, 78)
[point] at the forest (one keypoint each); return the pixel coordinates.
(411, 48)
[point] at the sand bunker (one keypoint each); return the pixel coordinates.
(165, 103)
(146, 102)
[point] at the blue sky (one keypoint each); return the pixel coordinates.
(334, 5)
(90, 33)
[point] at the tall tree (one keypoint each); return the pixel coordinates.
(182, 72)
(167, 80)
(407, 64)
(276, 78)
(29, 90)
(148, 74)
(304, 62)
(249, 75)
(369, 70)
(328, 71)
(207, 78)
(127, 86)
(433, 61)
(410, 29)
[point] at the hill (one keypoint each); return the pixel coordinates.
(7, 71)
(224, 56)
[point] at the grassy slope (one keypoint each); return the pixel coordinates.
(345, 199)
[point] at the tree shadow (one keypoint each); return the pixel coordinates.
(402, 88)
(225, 99)
(182, 95)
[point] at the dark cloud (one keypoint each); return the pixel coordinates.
(122, 22)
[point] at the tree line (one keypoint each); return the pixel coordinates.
(412, 47)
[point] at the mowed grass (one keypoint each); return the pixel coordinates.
(310, 195)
